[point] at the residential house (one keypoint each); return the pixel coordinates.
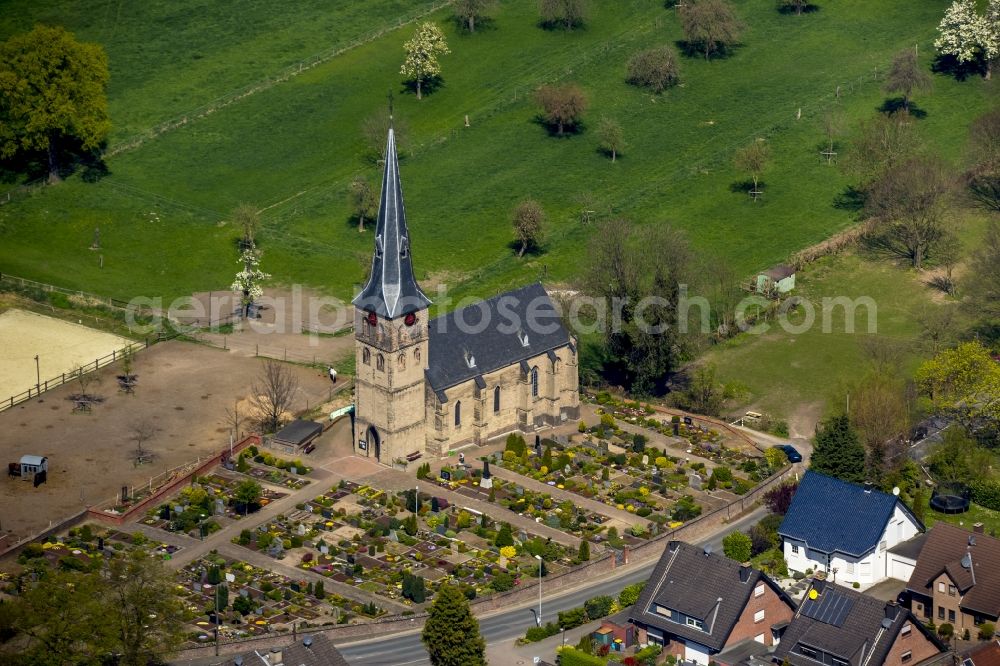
(697, 603)
(313, 650)
(845, 530)
(957, 578)
(838, 626)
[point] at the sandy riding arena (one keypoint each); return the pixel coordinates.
(60, 347)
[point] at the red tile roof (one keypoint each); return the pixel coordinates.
(944, 550)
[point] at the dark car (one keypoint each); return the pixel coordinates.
(793, 455)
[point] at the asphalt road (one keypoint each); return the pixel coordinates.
(406, 648)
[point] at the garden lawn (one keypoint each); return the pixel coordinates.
(292, 148)
(976, 514)
(783, 369)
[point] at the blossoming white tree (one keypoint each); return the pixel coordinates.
(248, 281)
(969, 36)
(422, 53)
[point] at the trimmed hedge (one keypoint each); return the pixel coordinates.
(986, 494)
(570, 656)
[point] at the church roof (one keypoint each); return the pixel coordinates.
(492, 334)
(391, 291)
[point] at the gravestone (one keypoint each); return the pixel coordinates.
(196, 587)
(486, 482)
(694, 480)
(441, 529)
(392, 537)
(244, 592)
(326, 513)
(293, 470)
(178, 508)
(552, 520)
(518, 490)
(445, 474)
(276, 548)
(230, 578)
(301, 530)
(220, 507)
(522, 535)
(325, 549)
(645, 459)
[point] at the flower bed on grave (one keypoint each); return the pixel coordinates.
(207, 500)
(254, 601)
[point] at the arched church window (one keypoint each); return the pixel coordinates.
(365, 329)
(366, 356)
(496, 399)
(458, 413)
(380, 362)
(534, 382)
(401, 361)
(416, 355)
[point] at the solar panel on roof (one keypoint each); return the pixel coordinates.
(830, 608)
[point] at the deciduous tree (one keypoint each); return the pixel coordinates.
(737, 546)
(964, 380)
(374, 129)
(710, 26)
(983, 175)
(609, 132)
(983, 278)
(655, 69)
(753, 159)
(422, 53)
(143, 609)
(528, 220)
(778, 499)
(883, 142)
(451, 633)
(908, 205)
(248, 493)
(52, 95)
(272, 394)
(249, 281)
(838, 451)
(246, 218)
(469, 11)
(906, 76)
(562, 106)
(968, 36)
(880, 414)
(364, 200)
(566, 14)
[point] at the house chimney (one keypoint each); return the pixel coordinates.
(891, 611)
(868, 486)
(275, 659)
(978, 528)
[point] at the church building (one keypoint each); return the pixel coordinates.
(427, 386)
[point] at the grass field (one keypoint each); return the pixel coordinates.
(293, 147)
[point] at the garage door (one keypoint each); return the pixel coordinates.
(900, 568)
(696, 653)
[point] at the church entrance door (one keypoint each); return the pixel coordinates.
(375, 442)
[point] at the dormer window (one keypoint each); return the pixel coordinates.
(378, 246)
(696, 623)
(404, 247)
(523, 337)
(470, 360)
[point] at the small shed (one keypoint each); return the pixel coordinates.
(616, 632)
(296, 436)
(780, 279)
(31, 465)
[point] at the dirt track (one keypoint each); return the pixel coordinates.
(184, 389)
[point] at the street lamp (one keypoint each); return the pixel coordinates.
(563, 630)
(38, 376)
(539, 619)
(201, 527)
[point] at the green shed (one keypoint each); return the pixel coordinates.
(780, 279)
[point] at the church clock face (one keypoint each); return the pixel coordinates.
(410, 319)
(372, 319)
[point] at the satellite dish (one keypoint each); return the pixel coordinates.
(813, 594)
(895, 491)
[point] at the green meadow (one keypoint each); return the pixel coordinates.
(292, 148)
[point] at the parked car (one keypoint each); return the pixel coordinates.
(793, 455)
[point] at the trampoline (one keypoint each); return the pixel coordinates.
(950, 501)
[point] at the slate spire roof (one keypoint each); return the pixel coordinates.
(391, 291)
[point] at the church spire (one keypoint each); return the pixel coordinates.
(391, 290)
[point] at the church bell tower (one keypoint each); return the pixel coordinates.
(390, 332)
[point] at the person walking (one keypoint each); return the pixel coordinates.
(333, 375)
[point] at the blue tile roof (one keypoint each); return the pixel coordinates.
(831, 515)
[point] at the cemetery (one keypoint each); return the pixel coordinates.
(362, 536)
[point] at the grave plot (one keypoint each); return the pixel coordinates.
(209, 502)
(243, 600)
(272, 469)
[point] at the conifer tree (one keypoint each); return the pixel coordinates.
(451, 633)
(838, 451)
